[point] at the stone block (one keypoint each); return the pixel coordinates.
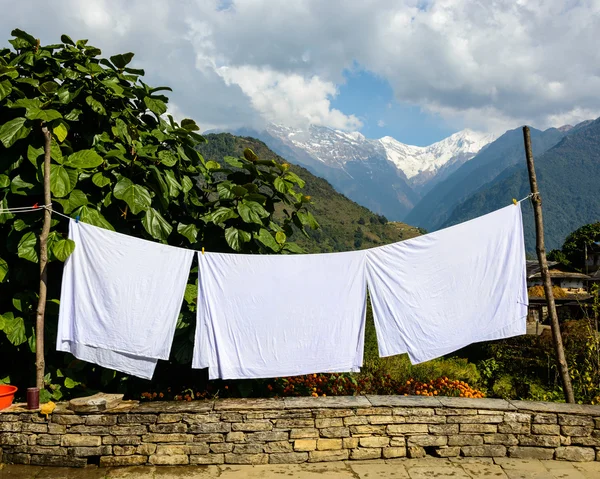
(569, 420)
(576, 430)
(80, 440)
(169, 460)
(13, 439)
(48, 440)
(231, 416)
(248, 448)
(128, 430)
(415, 452)
(122, 440)
(455, 412)
(514, 428)
(16, 458)
(57, 428)
(154, 437)
(193, 419)
(145, 449)
(221, 427)
(465, 440)
(136, 419)
(221, 447)
(583, 441)
(246, 459)
(385, 419)
(278, 446)
(479, 428)
(551, 429)
(479, 419)
(574, 453)
(68, 419)
(484, 451)
(443, 429)
(300, 422)
(237, 436)
(544, 418)
(328, 444)
(90, 451)
(167, 418)
(356, 420)
(366, 430)
(305, 444)
(31, 427)
(43, 450)
(504, 439)
(413, 412)
(539, 441)
(361, 454)
(319, 413)
(423, 419)
(175, 427)
(199, 448)
(401, 429)
(520, 452)
(252, 426)
(209, 438)
(374, 441)
(447, 451)
(83, 429)
(101, 420)
(427, 440)
(62, 461)
(327, 422)
(288, 458)
(335, 432)
(374, 411)
(304, 433)
(267, 436)
(350, 442)
(398, 441)
(124, 450)
(207, 459)
(96, 403)
(172, 450)
(516, 417)
(338, 402)
(328, 456)
(393, 452)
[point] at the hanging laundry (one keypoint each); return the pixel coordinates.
(262, 316)
(120, 299)
(437, 293)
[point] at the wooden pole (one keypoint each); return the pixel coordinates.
(541, 254)
(40, 363)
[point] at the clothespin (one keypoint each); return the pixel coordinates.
(77, 219)
(514, 201)
(203, 250)
(36, 206)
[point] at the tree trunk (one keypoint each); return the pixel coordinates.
(541, 254)
(40, 363)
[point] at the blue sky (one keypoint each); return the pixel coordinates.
(371, 99)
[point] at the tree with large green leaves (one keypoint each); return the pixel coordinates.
(118, 161)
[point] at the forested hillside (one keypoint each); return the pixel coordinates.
(568, 175)
(345, 225)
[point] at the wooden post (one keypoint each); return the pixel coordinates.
(541, 254)
(40, 363)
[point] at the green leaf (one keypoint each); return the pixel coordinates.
(67, 39)
(224, 190)
(18, 33)
(66, 96)
(93, 217)
(236, 238)
(17, 186)
(73, 115)
(71, 383)
(189, 231)
(137, 197)
(34, 153)
(95, 105)
(251, 212)
(212, 165)
(186, 184)
(45, 396)
(49, 87)
(280, 237)
(76, 199)
(293, 248)
(3, 272)
(14, 329)
(121, 60)
(44, 115)
(156, 106)
(191, 293)
(156, 225)
(308, 219)
(62, 180)
(4, 181)
(5, 89)
(230, 160)
(100, 180)
(61, 131)
(189, 125)
(267, 239)
(31, 342)
(62, 249)
(294, 178)
(281, 185)
(56, 152)
(84, 159)
(12, 131)
(172, 183)
(167, 158)
(27, 248)
(222, 214)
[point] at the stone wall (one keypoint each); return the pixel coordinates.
(296, 430)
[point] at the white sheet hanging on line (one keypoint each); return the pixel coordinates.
(120, 299)
(437, 293)
(262, 316)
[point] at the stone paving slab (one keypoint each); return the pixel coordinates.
(467, 468)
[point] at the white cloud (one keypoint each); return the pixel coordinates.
(381, 123)
(478, 64)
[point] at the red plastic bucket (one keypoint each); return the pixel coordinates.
(7, 394)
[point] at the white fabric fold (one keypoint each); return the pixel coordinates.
(262, 316)
(437, 293)
(120, 299)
